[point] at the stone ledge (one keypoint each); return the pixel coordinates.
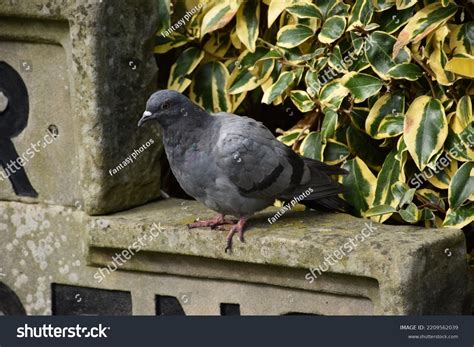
(419, 271)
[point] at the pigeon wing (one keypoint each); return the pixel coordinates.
(255, 161)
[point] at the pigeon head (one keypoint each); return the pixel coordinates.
(166, 107)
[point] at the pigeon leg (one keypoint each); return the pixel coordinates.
(237, 228)
(214, 222)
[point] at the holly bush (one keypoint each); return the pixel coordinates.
(384, 85)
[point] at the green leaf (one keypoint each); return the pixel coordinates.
(206, 88)
(379, 210)
(361, 86)
(394, 19)
(279, 87)
(358, 186)
(185, 64)
(293, 35)
(425, 129)
(411, 214)
(305, 10)
(164, 16)
(329, 125)
(462, 185)
(335, 152)
(390, 173)
(389, 108)
(248, 17)
(407, 198)
(359, 116)
(312, 147)
(378, 53)
(332, 29)
(365, 147)
(461, 217)
(407, 71)
(302, 100)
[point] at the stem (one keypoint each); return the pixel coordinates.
(427, 71)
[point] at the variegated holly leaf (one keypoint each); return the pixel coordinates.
(394, 19)
(329, 125)
(358, 117)
(293, 35)
(361, 14)
(332, 29)
(312, 146)
(302, 100)
(313, 86)
(461, 217)
(361, 86)
(423, 23)
(456, 147)
(385, 118)
(359, 186)
(461, 38)
(404, 4)
(378, 53)
(279, 87)
(305, 10)
(241, 78)
(462, 65)
(391, 172)
(219, 15)
(406, 71)
(335, 152)
(463, 116)
(248, 17)
(437, 57)
(290, 136)
(461, 186)
(379, 210)
(332, 94)
(363, 146)
(206, 87)
(165, 44)
(425, 129)
(410, 214)
(184, 66)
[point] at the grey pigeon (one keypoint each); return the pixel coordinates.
(233, 164)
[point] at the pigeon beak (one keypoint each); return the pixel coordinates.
(146, 117)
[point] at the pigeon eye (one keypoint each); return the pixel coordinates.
(165, 106)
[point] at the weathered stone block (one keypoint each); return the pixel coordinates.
(87, 77)
(397, 270)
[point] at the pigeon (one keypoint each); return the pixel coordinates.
(234, 165)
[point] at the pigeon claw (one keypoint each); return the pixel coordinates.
(236, 229)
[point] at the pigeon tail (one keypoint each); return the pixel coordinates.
(328, 204)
